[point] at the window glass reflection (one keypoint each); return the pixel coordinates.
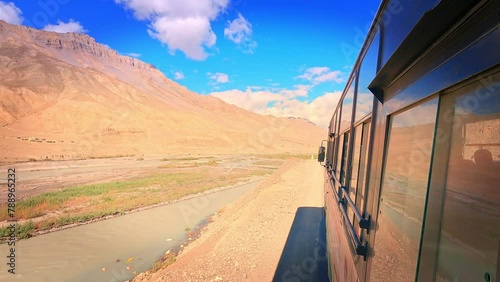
(364, 101)
(356, 154)
(398, 20)
(470, 231)
(345, 154)
(362, 175)
(331, 140)
(340, 146)
(346, 116)
(403, 194)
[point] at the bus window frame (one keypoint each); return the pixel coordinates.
(439, 170)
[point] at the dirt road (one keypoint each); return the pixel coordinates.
(259, 237)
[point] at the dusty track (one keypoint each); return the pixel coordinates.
(246, 240)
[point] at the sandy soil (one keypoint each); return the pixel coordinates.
(245, 240)
(38, 177)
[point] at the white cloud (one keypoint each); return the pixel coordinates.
(279, 103)
(218, 77)
(423, 114)
(317, 75)
(240, 32)
(62, 27)
(178, 75)
(10, 13)
(134, 55)
(181, 25)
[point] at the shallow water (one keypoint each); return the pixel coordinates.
(80, 253)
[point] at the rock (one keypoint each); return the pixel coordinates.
(128, 268)
(169, 239)
(167, 252)
(103, 269)
(130, 260)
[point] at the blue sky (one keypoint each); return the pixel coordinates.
(281, 57)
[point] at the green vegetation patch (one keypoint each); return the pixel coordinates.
(37, 205)
(23, 231)
(288, 156)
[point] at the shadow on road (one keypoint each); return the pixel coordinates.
(304, 257)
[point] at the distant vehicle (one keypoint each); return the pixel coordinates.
(412, 162)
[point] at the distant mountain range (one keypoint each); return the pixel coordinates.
(66, 96)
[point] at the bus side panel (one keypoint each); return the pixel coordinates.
(341, 262)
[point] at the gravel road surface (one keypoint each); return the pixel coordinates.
(274, 233)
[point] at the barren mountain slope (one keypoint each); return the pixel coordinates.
(64, 95)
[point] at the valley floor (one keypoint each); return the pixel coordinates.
(55, 194)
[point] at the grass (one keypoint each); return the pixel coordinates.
(111, 156)
(270, 162)
(188, 165)
(84, 158)
(164, 262)
(51, 201)
(192, 158)
(27, 230)
(23, 231)
(178, 165)
(288, 156)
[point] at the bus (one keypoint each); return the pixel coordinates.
(412, 156)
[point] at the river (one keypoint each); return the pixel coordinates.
(79, 254)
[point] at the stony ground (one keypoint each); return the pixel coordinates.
(246, 239)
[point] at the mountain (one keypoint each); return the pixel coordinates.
(66, 96)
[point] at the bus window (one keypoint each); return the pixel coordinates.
(331, 141)
(340, 146)
(403, 194)
(368, 70)
(356, 154)
(470, 230)
(362, 174)
(345, 155)
(347, 108)
(329, 151)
